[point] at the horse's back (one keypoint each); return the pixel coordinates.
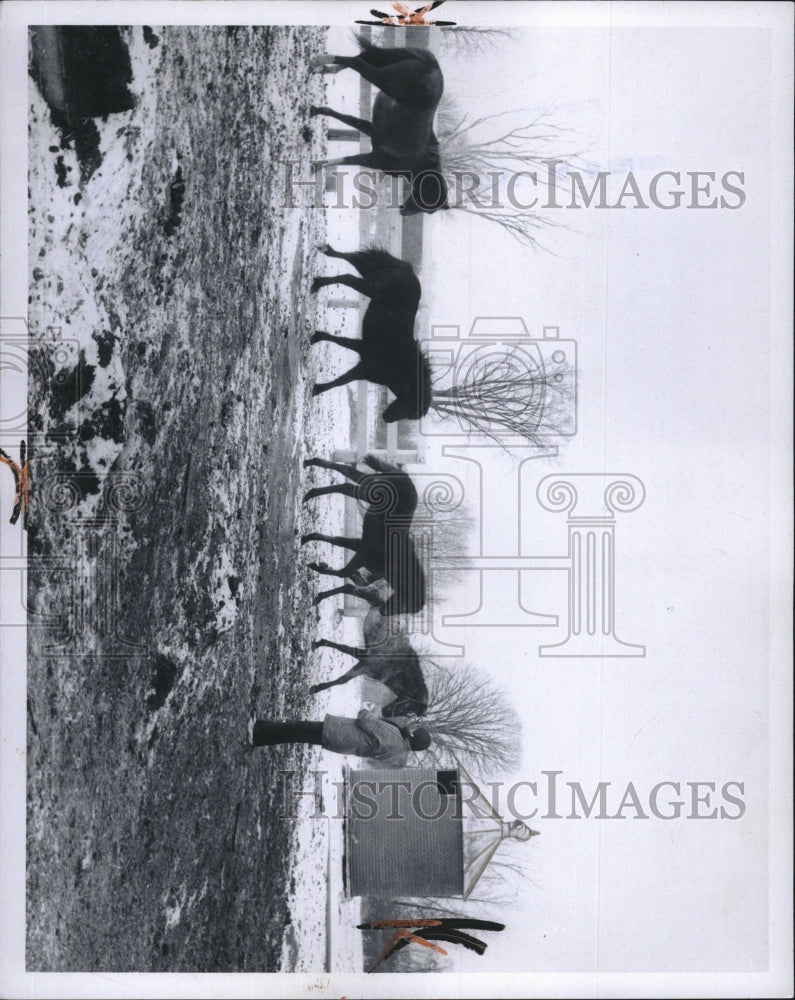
(394, 293)
(405, 491)
(392, 656)
(424, 77)
(410, 75)
(403, 131)
(406, 577)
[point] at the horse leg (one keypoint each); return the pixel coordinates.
(356, 671)
(355, 651)
(350, 567)
(345, 543)
(325, 63)
(326, 570)
(352, 343)
(351, 280)
(361, 124)
(344, 470)
(319, 491)
(329, 251)
(409, 84)
(348, 588)
(366, 262)
(358, 258)
(371, 160)
(358, 371)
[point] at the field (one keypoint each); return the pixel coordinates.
(179, 285)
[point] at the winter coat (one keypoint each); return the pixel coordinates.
(368, 735)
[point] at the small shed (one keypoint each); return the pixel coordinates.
(420, 831)
(404, 832)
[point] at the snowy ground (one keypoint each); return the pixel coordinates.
(155, 840)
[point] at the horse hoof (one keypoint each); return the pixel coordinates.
(317, 284)
(309, 462)
(309, 495)
(316, 390)
(325, 248)
(314, 689)
(317, 600)
(305, 538)
(314, 111)
(316, 338)
(318, 63)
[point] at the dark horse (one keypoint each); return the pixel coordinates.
(401, 132)
(385, 550)
(392, 660)
(388, 353)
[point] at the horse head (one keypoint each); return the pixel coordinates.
(428, 193)
(404, 705)
(412, 397)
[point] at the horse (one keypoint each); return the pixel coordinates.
(388, 353)
(504, 393)
(385, 550)
(401, 132)
(391, 660)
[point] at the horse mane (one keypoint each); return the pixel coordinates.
(385, 259)
(434, 152)
(426, 377)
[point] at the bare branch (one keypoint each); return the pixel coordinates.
(511, 393)
(487, 156)
(470, 720)
(472, 40)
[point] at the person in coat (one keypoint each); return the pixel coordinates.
(368, 735)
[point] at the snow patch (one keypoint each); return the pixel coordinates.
(225, 593)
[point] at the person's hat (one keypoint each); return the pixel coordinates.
(420, 739)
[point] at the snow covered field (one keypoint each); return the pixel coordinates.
(170, 291)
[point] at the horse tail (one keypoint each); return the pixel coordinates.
(375, 258)
(364, 43)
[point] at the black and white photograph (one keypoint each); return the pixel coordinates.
(395, 499)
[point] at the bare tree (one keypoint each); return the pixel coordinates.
(470, 720)
(508, 393)
(449, 553)
(469, 40)
(480, 156)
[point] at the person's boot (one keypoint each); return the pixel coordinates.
(265, 734)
